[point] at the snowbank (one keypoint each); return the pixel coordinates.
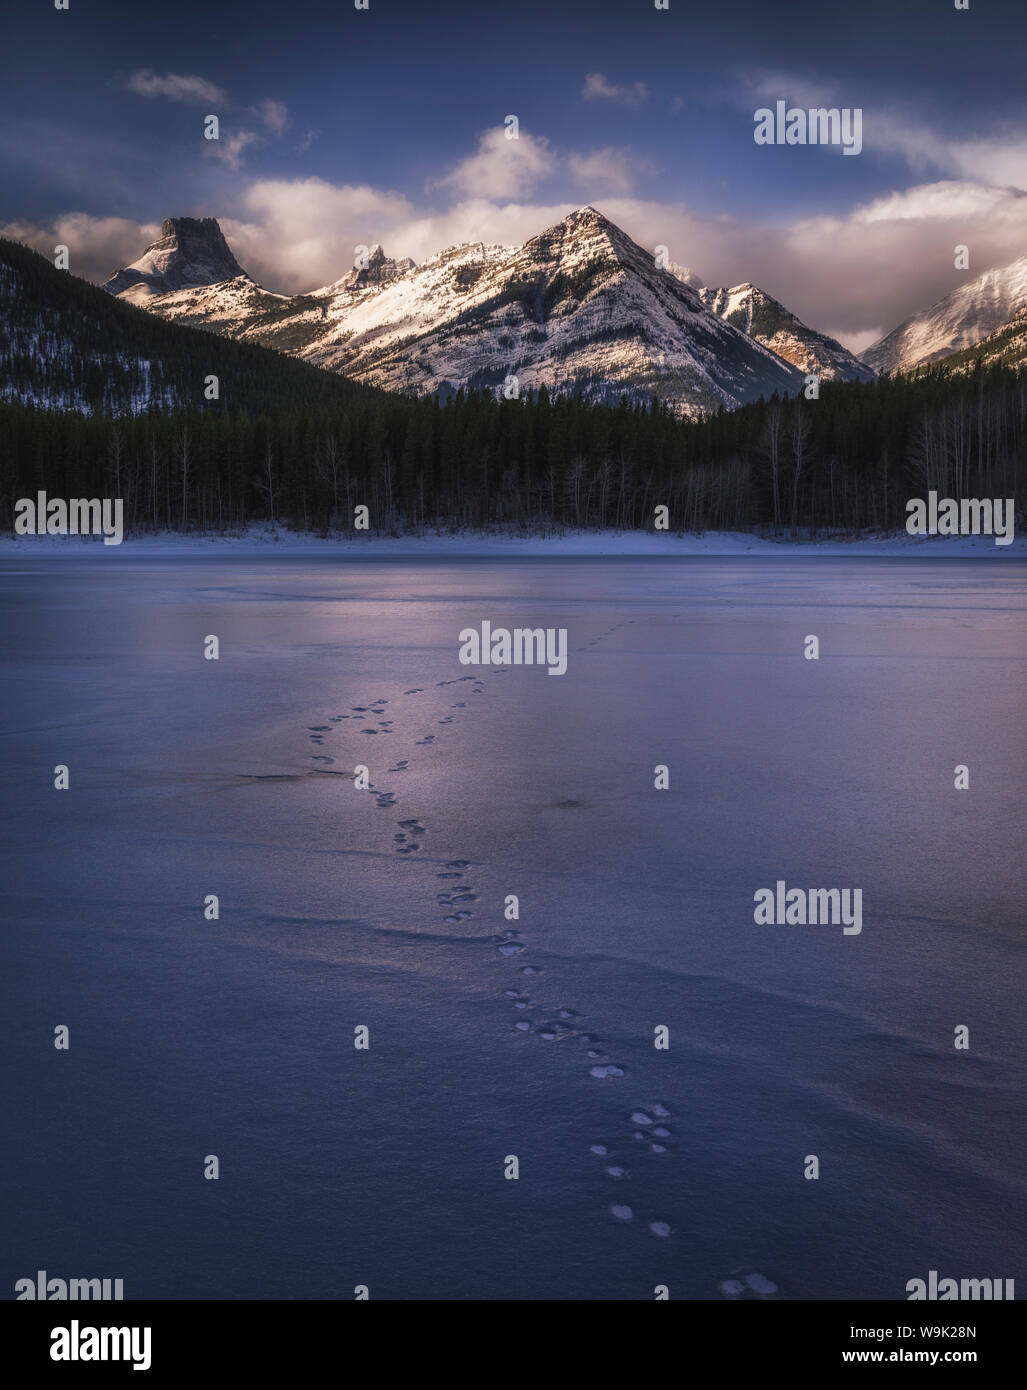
(263, 541)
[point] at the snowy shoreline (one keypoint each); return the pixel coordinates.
(581, 544)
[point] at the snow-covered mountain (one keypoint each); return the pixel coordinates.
(190, 251)
(768, 321)
(1007, 348)
(961, 320)
(580, 307)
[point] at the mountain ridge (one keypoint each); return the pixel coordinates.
(579, 308)
(768, 321)
(478, 314)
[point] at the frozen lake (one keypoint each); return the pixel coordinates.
(342, 907)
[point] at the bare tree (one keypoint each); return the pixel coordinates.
(264, 481)
(770, 446)
(330, 462)
(184, 456)
(800, 451)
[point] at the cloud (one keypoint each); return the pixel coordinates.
(476, 219)
(852, 276)
(176, 87)
(847, 274)
(608, 170)
(997, 156)
(274, 114)
(895, 255)
(97, 246)
(947, 200)
(794, 88)
(296, 234)
(857, 343)
(502, 168)
(598, 87)
(229, 148)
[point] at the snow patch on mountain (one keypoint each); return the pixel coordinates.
(958, 321)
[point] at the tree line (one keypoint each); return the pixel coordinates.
(846, 462)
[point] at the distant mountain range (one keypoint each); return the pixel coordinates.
(579, 308)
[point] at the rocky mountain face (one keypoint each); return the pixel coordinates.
(753, 311)
(579, 308)
(380, 270)
(960, 321)
(191, 251)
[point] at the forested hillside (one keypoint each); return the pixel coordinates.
(67, 344)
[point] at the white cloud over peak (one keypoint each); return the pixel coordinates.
(997, 157)
(296, 234)
(502, 167)
(608, 170)
(946, 199)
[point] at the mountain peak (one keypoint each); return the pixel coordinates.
(379, 270)
(206, 227)
(752, 310)
(587, 216)
(190, 251)
(583, 233)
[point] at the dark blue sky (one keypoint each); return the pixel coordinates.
(395, 98)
